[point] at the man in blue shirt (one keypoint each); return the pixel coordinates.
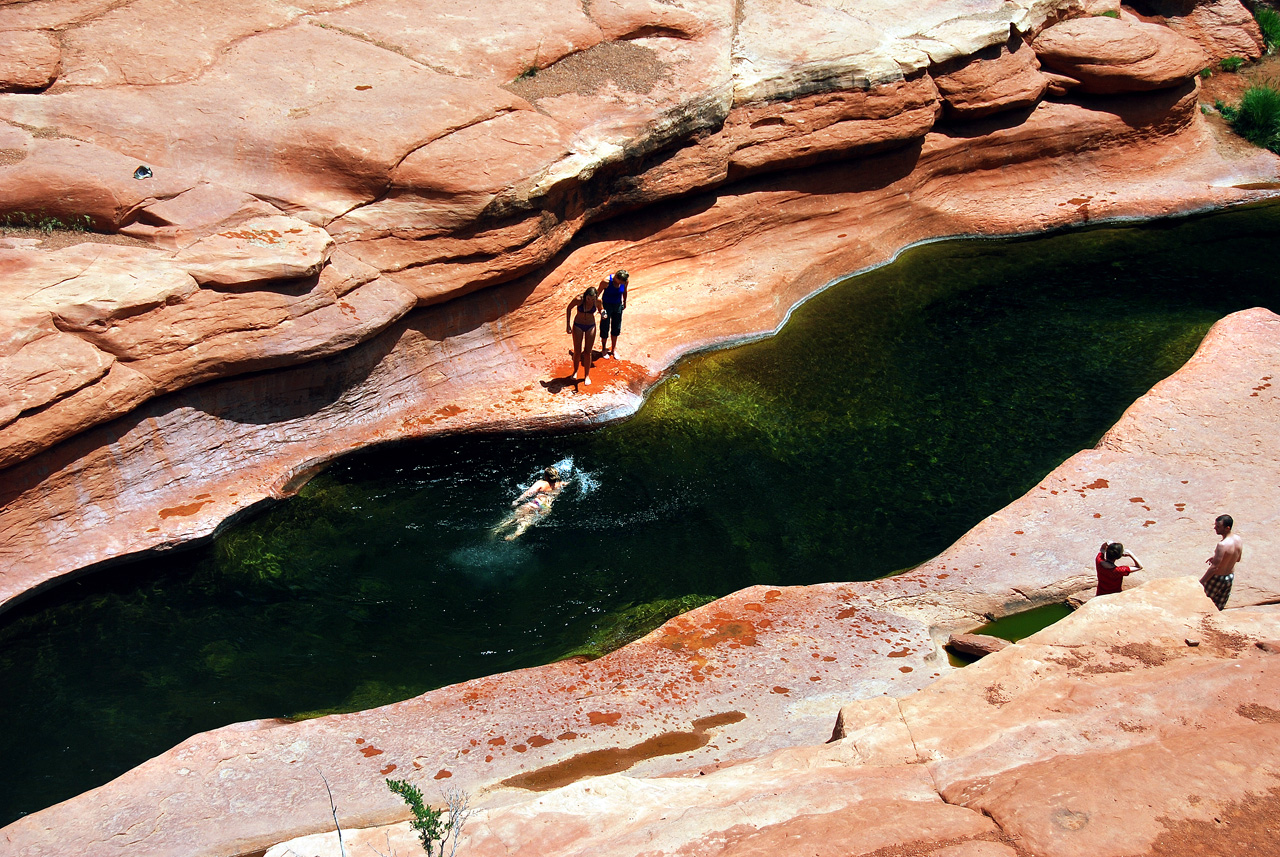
(613, 300)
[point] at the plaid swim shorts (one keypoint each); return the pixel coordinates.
(1219, 589)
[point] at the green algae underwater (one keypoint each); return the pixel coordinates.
(892, 413)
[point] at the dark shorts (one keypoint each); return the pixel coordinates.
(610, 321)
(1219, 589)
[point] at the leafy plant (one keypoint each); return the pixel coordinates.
(1206, 73)
(1269, 22)
(46, 223)
(1110, 13)
(1257, 119)
(433, 830)
(1231, 64)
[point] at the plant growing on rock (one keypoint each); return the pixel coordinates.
(1231, 64)
(45, 223)
(436, 828)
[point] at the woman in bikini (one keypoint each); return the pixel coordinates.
(533, 505)
(583, 311)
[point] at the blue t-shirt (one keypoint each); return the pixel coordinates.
(615, 292)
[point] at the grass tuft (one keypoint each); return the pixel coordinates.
(1257, 119)
(1269, 22)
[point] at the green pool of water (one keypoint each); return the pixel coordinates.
(1014, 627)
(1017, 626)
(891, 414)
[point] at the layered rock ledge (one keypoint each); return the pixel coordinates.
(764, 670)
(360, 221)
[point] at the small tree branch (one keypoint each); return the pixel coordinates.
(342, 848)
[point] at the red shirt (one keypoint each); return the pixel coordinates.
(1110, 577)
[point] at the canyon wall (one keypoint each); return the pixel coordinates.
(329, 224)
(341, 223)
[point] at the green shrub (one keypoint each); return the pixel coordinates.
(434, 832)
(426, 819)
(1230, 64)
(1269, 23)
(45, 223)
(1110, 13)
(1206, 73)
(1257, 119)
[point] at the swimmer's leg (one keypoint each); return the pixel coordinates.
(502, 525)
(524, 518)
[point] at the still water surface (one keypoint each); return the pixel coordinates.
(891, 414)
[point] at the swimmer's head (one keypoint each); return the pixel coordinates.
(551, 475)
(1223, 524)
(1115, 550)
(590, 292)
(622, 275)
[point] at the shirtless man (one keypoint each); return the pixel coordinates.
(1221, 574)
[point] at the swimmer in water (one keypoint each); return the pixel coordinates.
(533, 505)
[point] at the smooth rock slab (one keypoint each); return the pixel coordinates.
(1072, 742)
(28, 60)
(256, 250)
(1109, 55)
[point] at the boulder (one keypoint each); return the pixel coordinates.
(1003, 77)
(1222, 28)
(975, 645)
(82, 184)
(257, 250)
(1109, 55)
(29, 60)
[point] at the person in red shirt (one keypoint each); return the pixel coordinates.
(1111, 576)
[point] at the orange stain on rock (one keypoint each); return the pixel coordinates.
(772, 595)
(538, 741)
(498, 742)
(442, 774)
(371, 751)
(183, 511)
(1098, 483)
(388, 769)
(600, 718)
(780, 689)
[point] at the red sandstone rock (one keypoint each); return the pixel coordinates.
(28, 60)
(178, 221)
(72, 180)
(150, 42)
(681, 113)
(977, 645)
(256, 250)
(1108, 55)
(1065, 740)
(311, 147)
(999, 78)
(1222, 28)
(443, 35)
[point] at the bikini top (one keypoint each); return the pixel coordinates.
(594, 306)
